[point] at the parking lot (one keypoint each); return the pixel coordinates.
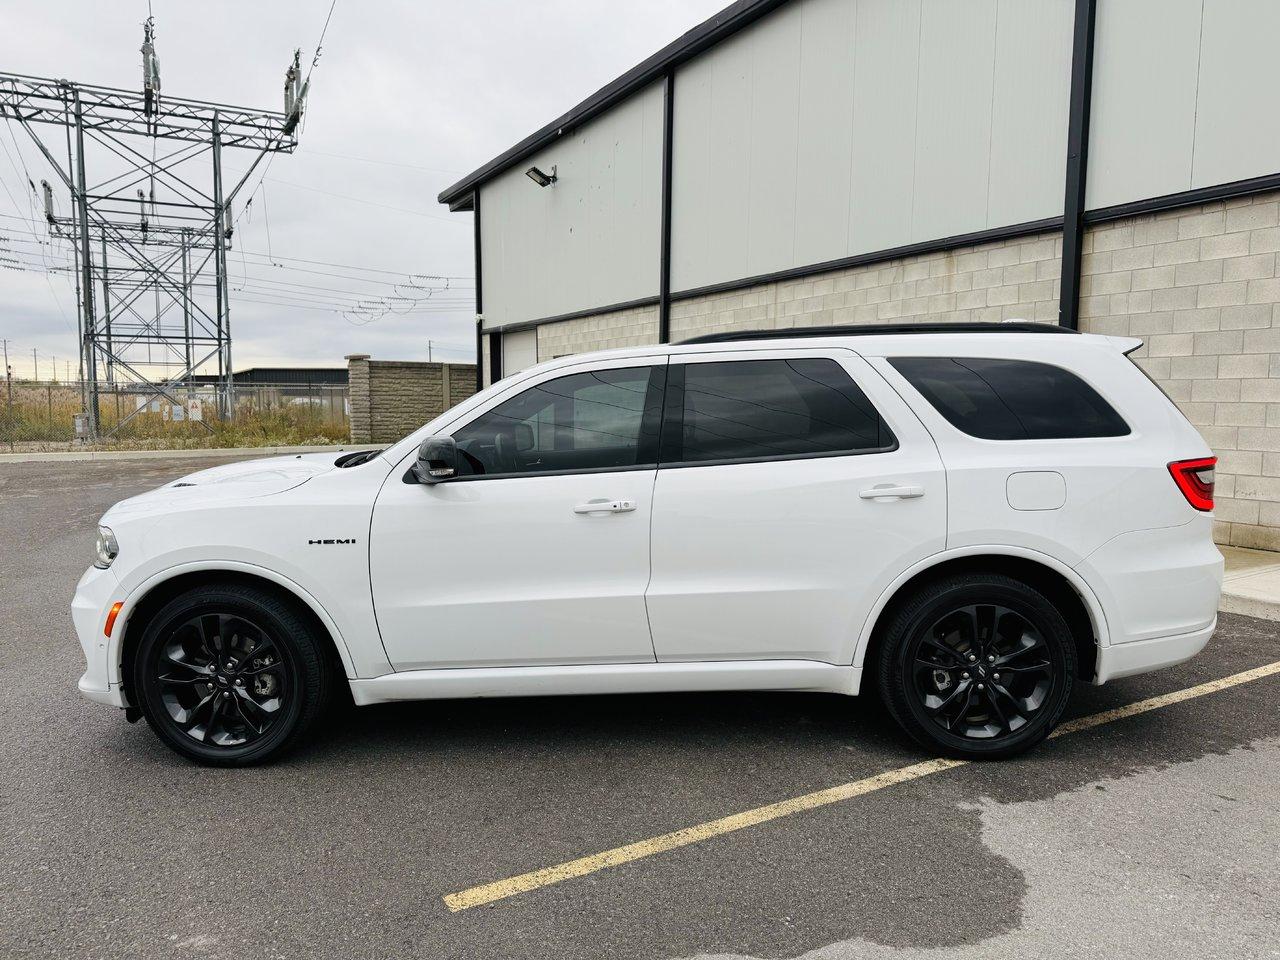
(1150, 834)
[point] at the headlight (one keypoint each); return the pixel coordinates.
(107, 548)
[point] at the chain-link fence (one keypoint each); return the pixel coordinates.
(43, 415)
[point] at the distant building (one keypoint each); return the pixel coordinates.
(1112, 165)
(285, 376)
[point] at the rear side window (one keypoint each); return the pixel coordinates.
(1011, 399)
(767, 409)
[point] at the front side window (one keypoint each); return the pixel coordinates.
(1011, 399)
(598, 420)
(767, 409)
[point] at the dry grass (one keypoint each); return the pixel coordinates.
(42, 416)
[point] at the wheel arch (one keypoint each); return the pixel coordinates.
(1062, 585)
(149, 597)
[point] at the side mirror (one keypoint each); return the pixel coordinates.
(437, 460)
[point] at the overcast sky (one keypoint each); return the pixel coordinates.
(407, 98)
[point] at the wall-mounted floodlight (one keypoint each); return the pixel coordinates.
(540, 178)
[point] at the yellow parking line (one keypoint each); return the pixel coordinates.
(501, 889)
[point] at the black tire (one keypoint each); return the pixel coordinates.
(946, 689)
(238, 649)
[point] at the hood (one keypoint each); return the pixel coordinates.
(233, 481)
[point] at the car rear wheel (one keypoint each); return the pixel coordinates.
(978, 666)
(230, 675)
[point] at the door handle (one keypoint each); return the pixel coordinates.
(887, 491)
(605, 505)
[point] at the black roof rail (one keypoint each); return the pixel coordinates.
(873, 329)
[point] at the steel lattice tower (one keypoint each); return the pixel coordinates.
(169, 241)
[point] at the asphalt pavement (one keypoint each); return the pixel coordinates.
(1151, 835)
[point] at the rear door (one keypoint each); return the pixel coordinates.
(793, 486)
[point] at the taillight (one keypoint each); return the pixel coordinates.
(1195, 479)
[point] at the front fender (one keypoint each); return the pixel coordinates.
(358, 663)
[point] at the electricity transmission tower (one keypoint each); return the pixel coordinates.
(151, 264)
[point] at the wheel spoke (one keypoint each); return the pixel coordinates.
(191, 715)
(990, 696)
(1040, 666)
(944, 650)
(266, 709)
(1026, 644)
(200, 669)
(168, 679)
(1000, 692)
(215, 714)
(257, 731)
(984, 622)
(958, 716)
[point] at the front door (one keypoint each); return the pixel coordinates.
(793, 487)
(538, 552)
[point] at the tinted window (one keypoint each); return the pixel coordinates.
(1011, 399)
(596, 420)
(752, 409)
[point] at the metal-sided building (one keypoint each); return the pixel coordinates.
(1110, 165)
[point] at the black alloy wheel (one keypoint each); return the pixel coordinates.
(978, 666)
(231, 675)
(222, 680)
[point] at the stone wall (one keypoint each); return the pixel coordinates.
(392, 398)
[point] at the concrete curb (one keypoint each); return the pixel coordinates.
(58, 456)
(1249, 606)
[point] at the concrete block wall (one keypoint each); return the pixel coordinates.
(619, 328)
(994, 281)
(1201, 287)
(392, 398)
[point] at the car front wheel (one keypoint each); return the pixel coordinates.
(230, 675)
(978, 666)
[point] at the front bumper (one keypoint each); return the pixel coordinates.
(94, 595)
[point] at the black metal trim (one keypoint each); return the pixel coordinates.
(475, 216)
(495, 358)
(1187, 198)
(879, 256)
(711, 31)
(664, 254)
(575, 315)
(880, 329)
(1073, 206)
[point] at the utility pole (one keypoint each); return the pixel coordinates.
(428, 351)
(35, 365)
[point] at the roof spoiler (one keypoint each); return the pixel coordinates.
(1125, 345)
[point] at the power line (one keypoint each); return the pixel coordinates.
(372, 203)
(384, 163)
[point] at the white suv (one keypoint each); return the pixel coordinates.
(969, 519)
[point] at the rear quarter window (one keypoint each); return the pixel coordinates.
(1011, 399)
